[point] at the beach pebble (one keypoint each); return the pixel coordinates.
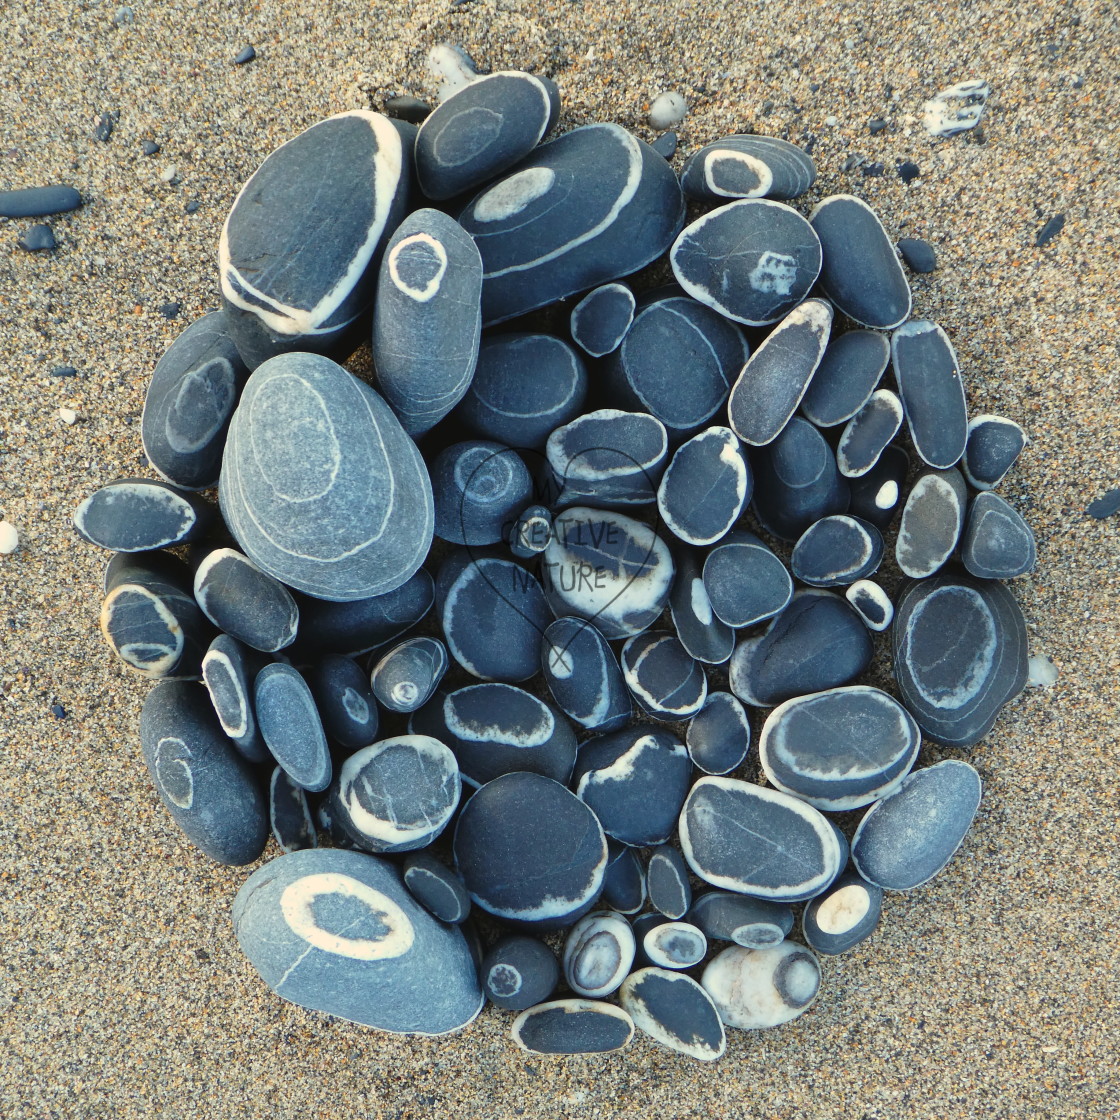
(478, 487)
(396, 795)
(427, 318)
(290, 723)
(776, 259)
(9, 538)
(507, 403)
(591, 206)
(754, 923)
(624, 883)
(337, 932)
(843, 916)
(674, 1010)
(860, 273)
(867, 434)
(583, 675)
(211, 792)
(719, 735)
(956, 108)
(744, 837)
(667, 110)
(38, 239)
(705, 487)
(344, 700)
(141, 515)
(836, 551)
(746, 583)
(851, 367)
(774, 380)
(321, 486)
(299, 250)
(872, 604)
(607, 568)
(992, 445)
(405, 678)
(600, 320)
(932, 392)
(758, 988)
(246, 54)
(908, 837)
(436, 887)
(932, 520)
(452, 67)
(703, 635)
(519, 971)
(573, 1026)
(997, 542)
(918, 254)
(840, 749)
(529, 532)
(530, 852)
(405, 107)
(665, 145)
(38, 202)
(598, 952)
(667, 882)
(877, 496)
(748, 166)
(1041, 672)
(245, 602)
(288, 814)
(667, 683)
(667, 944)
(635, 781)
(959, 648)
(228, 671)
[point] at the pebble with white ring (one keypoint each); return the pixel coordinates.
(674, 1010)
(519, 971)
(141, 515)
(529, 532)
(436, 887)
(748, 166)
(866, 435)
(876, 497)
(992, 445)
(573, 1026)
(245, 602)
(405, 678)
(478, 486)
(228, 671)
(705, 487)
(668, 944)
(211, 792)
(836, 551)
(344, 700)
(337, 932)
(583, 675)
(759, 988)
(997, 542)
(288, 814)
(843, 916)
(600, 320)
(624, 884)
(754, 923)
(598, 953)
(746, 583)
(932, 521)
(872, 604)
(667, 683)
(290, 723)
(667, 880)
(703, 635)
(848, 373)
(719, 735)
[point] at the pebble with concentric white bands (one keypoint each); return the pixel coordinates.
(337, 932)
(667, 683)
(583, 675)
(344, 700)
(291, 726)
(289, 816)
(843, 916)
(573, 1026)
(997, 542)
(745, 582)
(719, 735)
(141, 514)
(519, 971)
(992, 444)
(836, 551)
(228, 671)
(624, 883)
(932, 521)
(876, 497)
(748, 166)
(669, 944)
(436, 887)
(758, 988)
(667, 877)
(703, 635)
(754, 923)
(744, 837)
(598, 954)
(404, 679)
(871, 603)
(848, 373)
(529, 532)
(245, 602)
(676, 1011)
(600, 320)
(479, 486)
(705, 487)
(867, 434)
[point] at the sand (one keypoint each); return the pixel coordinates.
(993, 991)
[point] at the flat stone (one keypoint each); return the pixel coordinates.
(667, 882)
(932, 392)
(836, 551)
(229, 669)
(754, 923)
(843, 916)
(245, 602)
(992, 444)
(667, 683)
(867, 434)
(573, 1026)
(583, 675)
(932, 521)
(918, 254)
(848, 373)
(38, 202)
(436, 887)
(600, 320)
(748, 166)
(674, 1010)
(479, 487)
(290, 723)
(746, 583)
(719, 735)
(289, 817)
(872, 604)
(38, 239)
(705, 637)
(997, 542)
(598, 952)
(759, 988)
(141, 515)
(519, 971)
(673, 945)
(405, 678)
(624, 884)
(876, 497)
(344, 700)
(706, 487)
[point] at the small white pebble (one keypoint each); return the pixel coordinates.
(667, 110)
(832, 122)
(452, 67)
(67, 415)
(1041, 671)
(168, 173)
(9, 538)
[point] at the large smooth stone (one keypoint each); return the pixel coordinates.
(405, 678)
(932, 392)
(600, 320)
(992, 445)
(745, 582)
(867, 434)
(481, 130)
(758, 988)
(598, 953)
(843, 916)
(960, 653)
(211, 792)
(753, 260)
(836, 551)
(817, 642)
(299, 250)
(290, 724)
(861, 272)
(583, 675)
(141, 515)
(904, 840)
(337, 932)
(593, 205)
(852, 365)
(754, 923)
(344, 700)
(997, 542)
(662, 677)
(530, 852)
(748, 166)
(744, 837)
(427, 318)
(228, 671)
(245, 602)
(190, 402)
(840, 749)
(320, 484)
(676, 1011)
(479, 488)
(518, 972)
(573, 1026)
(705, 487)
(719, 735)
(932, 520)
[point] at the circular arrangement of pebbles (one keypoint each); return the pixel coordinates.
(486, 645)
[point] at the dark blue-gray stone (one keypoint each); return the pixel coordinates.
(744, 837)
(635, 781)
(211, 792)
(817, 642)
(704, 635)
(288, 814)
(992, 445)
(481, 130)
(876, 496)
(667, 881)
(932, 521)
(436, 887)
(677, 362)
(753, 260)
(905, 839)
(583, 675)
(38, 202)
(775, 378)
(141, 515)
(290, 723)
(228, 671)
(321, 486)
(591, 206)
(573, 1026)
(997, 542)
(479, 487)
(337, 932)
(932, 392)
(245, 602)
(843, 916)
(37, 239)
(299, 250)
(719, 735)
(852, 365)
(796, 481)
(674, 1010)
(959, 647)
(525, 386)
(918, 254)
(405, 107)
(246, 54)
(867, 434)
(190, 403)
(405, 678)
(667, 683)
(705, 487)
(518, 972)
(665, 145)
(748, 166)
(600, 320)
(754, 923)
(427, 318)
(836, 551)
(344, 700)
(872, 603)
(598, 953)
(860, 272)
(530, 852)
(624, 884)
(746, 583)
(529, 532)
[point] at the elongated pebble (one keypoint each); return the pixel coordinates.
(583, 675)
(748, 166)
(229, 669)
(667, 880)
(932, 391)
(288, 813)
(932, 522)
(705, 487)
(573, 1026)
(719, 735)
(140, 515)
(624, 884)
(598, 953)
(674, 1010)
(669, 944)
(705, 636)
(836, 551)
(38, 202)
(245, 602)
(662, 677)
(851, 367)
(867, 434)
(290, 724)
(754, 923)
(405, 678)
(871, 603)
(344, 701)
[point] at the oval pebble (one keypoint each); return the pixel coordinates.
(843, 916)
(719, 735)
(344, 701)
(758, 988)
(245, 602)
(584, 676)
(479, 487)
(848, 373)
(932, 392)
(141, 515)
(997, 542)
(600, 320)
(290, 725)
(867, 434)
(836, 551)
(703, 635)
(624, 884)
(436, 887)
(667, 879)
(754, 923)
(871, 603)
(288, 813)
(407, 676)
(705, 487)
(228, 671)
(746, 583)
(674, 1010)
(674, 944)
(748, 166)
(932, 520)
(598, 953)
(519, 971)
(38, 202)
(662, 677)
(573, 1026)
(529, 532)
(992, 444)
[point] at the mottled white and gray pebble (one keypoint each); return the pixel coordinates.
(759, 988)
(519, 971)
(705, 487)
(705, 636)
(867, 434)
(992, 445)
(405, 678)
(852, 365)
(997, 542)
(245, 602)
(288, 813)
(598, 952)
(674, 1010)
(748, 166)
(600, 320)
(436, 887)
(877, 496)
(719, 735)
(290, 723)
(843, 916)
(228, 671)
(667, 882)
(140, 515)
(668, 944)
(872, 604)
(479, 487)
(754, 923)
(932, 391)
(746, 582)
(932, 521)
(573, 1026)
(344, 700)
(667, 683)
(624, 883)
(583, 675)
(836, 551)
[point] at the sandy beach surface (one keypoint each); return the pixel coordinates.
(994, 992)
